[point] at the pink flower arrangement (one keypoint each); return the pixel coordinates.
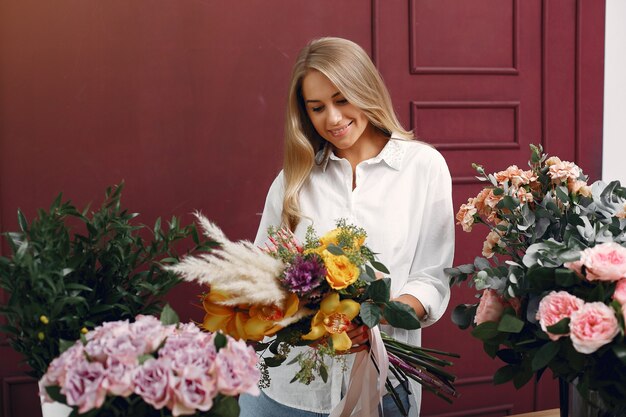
(564, 240)
(179, 368)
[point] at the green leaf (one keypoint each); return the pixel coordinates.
(169, 316)
(401, 315)
(143, 358)
(220, 341)
(274, 361)
(562, 327)
(21, 220)
(225, 406)
(323, 372)
(55, 393)
(486, 330)
(379, 290)
(481, 263)
(565, 277)
(498, 191)
(382, 268)
(562, 193)
(370, 314)
(65, 345)
(76, 286)
(466, 268)
(335, 250)
(510, 324)
(544, 355)
(504, 374)
(620, 352)
(463, 315)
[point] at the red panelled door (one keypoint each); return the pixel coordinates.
(481, 80)
(185, 101)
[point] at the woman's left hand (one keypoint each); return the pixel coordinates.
(360, 339)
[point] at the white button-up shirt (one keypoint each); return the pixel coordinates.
(403, 200)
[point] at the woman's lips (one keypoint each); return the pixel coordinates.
(337, 133)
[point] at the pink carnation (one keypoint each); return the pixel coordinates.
(83, 386)
(620, 292)
(593, 326)
(554, 307)
(604, 262)
(563, 171)
(152, 383)
(193, 390)
(490, 308)
(235, 369)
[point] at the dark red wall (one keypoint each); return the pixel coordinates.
(184, 100)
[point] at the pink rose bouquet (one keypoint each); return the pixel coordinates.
(147, 368)
(558, 300)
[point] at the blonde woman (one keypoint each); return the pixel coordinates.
(347, 156)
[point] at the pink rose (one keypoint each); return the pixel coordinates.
(57, 370)
(152, 383)
(593, 326)
(118, 379)
(235, 369)
(605, 262)
(490, 308)
(193, 390)
(554, 307)
(83, 386)
(620, 292)
(150, 330)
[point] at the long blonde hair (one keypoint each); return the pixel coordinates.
(350, 69)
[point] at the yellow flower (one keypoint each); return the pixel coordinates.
(330, 238)
(244, 321)
(230, 320)
(263, 319)
(44, 319)
(334, 318)
(340, 272)
(41, 336)
(84, 330)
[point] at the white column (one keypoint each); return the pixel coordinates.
(614, 140)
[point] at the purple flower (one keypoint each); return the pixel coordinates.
(304, 275)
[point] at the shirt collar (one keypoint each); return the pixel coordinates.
(392, 154)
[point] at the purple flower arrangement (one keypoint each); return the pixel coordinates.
(140, 367)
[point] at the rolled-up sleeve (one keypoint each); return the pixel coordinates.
(435, 248)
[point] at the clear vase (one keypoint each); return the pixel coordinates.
(573, 404)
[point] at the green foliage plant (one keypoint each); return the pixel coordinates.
(69, 271)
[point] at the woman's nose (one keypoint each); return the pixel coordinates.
(334, 115)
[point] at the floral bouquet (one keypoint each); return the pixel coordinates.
(291, 294)
(148, 368)
(558, 299)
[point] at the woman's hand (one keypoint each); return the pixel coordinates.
(359, 337)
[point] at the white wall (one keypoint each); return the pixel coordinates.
(614, 141)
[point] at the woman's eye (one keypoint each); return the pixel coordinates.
(317, 109)
(342, 101)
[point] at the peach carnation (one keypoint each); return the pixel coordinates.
(563, 171)
(466, 213)
(579, 187)
(554, 307)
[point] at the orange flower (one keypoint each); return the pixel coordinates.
(340, 272)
